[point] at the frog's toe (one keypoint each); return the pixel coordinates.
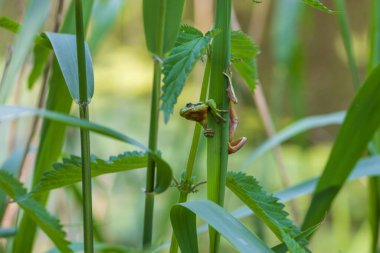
(209, 132)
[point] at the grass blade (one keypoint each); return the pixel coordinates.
(183, 221)
(297, 127)
(35, 15)
(167, 25)
(65, 49)
(358, 128)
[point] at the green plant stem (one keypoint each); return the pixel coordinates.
(217, 146)
(374, 182)
(193, 150)
(86, 183)
(84, 133)
(346, 37)
(150, 175)
(153, 133)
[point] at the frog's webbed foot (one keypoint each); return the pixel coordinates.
(209, 132)
(234, 146)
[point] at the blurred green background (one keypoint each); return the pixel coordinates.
(303, 71)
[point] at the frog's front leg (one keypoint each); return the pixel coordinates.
(215, 111)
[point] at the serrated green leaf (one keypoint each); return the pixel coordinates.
(70, 170)
(266, 207)
(243, 53)
(317, 4)
(164, 172)
(9, 24)
(178, 66)
(183, 217)
(65, 49)
(161, 25)
(49, 224)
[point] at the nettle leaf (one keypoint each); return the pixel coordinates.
(317, 4)
(190, 47)
(70, 170)
(266, 207)
(65, 49)
(49, 224)
(243, 53)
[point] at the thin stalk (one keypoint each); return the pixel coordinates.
(193, 150)
(374, 182)
(84, 133)
(217, 146)
(153, 134)
(347, 41)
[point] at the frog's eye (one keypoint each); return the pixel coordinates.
(189, 105)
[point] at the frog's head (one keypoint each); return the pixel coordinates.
(196, 112)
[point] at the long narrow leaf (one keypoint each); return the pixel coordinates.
(35, 15)
(297, 127)
(167, 11)
(358, 128)
(266, 207)
(183, 221)
(34, 210)
(317, 4)
(65, 49)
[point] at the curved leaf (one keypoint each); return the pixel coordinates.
(164, 172)
(35, 15)
(243, 53)
(179, 64)
(70, 170)
(183, 220)
(357, 130)
(65, 49)
(266, 207)
(294, 129)
(49, 224)
(161, 18)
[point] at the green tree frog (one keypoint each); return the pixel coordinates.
(199, 112)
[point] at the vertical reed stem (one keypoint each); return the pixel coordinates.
(84, 133)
